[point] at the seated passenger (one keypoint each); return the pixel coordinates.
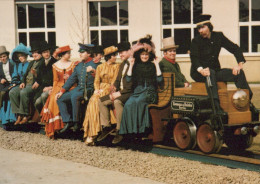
(105, 76)
(168, 63)
(204, 53)
(68, 101)
(121, 92)
(19, 56)
(6, 71)
(62, 69)
(21, 98)
(145, 76)
(45, 75)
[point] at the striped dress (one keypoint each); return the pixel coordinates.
(105, 76)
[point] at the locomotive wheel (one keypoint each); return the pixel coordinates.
(239, 142)
(209, 141)
(184, 135)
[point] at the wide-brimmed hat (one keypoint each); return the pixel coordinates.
(21, 48)
(44, 46)
(3, 50)
(99, 49)
(110, 50)
(63, 49)
(123, 46)
(202, 19)
(85, 47)
(36, 46)
(168, 43)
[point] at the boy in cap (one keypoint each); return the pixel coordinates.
(168, 63)
(120, 92)
(204, 53)
(82, 76)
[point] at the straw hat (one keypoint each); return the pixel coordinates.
(168, 43)
(110, 50)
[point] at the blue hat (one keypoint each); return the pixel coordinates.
(21, 48)
(86, 47)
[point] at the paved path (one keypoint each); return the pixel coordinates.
(18, 167)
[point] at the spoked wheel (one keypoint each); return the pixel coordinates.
(209, 141)
(239, 142)
(184, 135)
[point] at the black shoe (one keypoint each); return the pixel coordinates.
(76, 127)
(66, 127)
(106, 131)
(118, 138)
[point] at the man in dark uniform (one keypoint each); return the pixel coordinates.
(120, 92)
(169, 64)
(45, 76)
(66, 98)
(204, 55)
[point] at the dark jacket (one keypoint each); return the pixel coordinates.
(205, 52)
(35, 78)
(45, 74)
(5, 86)
(166, 66)
(127, 86)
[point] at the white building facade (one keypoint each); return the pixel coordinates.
(106, 22)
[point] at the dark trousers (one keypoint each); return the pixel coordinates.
(223, 75)
(69, 105)
(20, 99)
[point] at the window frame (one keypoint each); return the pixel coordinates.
(28, 30)
(173, 26)
(100, 28)
(248, 24)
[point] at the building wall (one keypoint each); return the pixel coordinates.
(144, 17)
(7, 30)
(71, 23)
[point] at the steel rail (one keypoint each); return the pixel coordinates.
(231, 161)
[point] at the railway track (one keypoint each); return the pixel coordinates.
(246, 160)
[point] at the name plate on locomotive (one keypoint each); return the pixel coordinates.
(180, 105)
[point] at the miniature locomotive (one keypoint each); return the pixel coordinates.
(195, 121)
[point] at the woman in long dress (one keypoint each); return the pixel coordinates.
(62, 69)
(145, 76)
(19, 56)
(106, 74)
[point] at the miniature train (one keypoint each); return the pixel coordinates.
(195, 122)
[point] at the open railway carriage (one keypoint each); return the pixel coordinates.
(197, 123)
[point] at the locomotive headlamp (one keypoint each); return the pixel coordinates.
(240, 99)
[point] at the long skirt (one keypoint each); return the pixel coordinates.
(6, 113)
(91, 122)
(51, 116)
(135, 118)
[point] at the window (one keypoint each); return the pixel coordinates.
(108, 24)
(177, 21)
(35, 21)
(249, 24)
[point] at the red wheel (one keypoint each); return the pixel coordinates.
(209, 141)
(184, 135)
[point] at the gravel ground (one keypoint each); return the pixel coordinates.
(159, 168)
